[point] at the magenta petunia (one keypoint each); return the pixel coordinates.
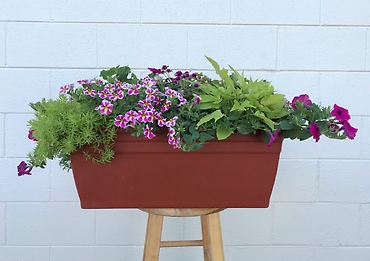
(315, 131)
(30, 135)
(64, 89)
(340, 113)
(349, 130)
(303, 98)
(120, 121)
(171, 122)
(148, 132)
(273, 136)
(105, 107)
(24, 169)
(142, 116)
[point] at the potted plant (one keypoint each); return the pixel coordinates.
(165, 138)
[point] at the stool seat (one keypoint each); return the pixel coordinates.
(211, 232)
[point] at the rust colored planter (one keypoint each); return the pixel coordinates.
(238, 172)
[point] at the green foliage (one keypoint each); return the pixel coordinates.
(62, 126)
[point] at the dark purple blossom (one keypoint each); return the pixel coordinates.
(315, 131)
(340, 113)
(24, 169)
(273, 136)
(349, 130)
(156, 71)
(303, 98)
(30, 135)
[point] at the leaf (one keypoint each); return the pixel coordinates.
(286, 125)
(204, 136)
(236, 106)
(192, 129)
(223, 132)
(188, 138)
(216, 115)
(245, 128)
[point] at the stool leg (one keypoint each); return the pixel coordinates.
(212, 238)
(153, 238)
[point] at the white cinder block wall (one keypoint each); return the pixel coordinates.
(320, 207)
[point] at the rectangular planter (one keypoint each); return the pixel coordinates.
(238, 172)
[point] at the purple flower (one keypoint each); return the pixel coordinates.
(134, 90)
(24, 169)
(120, 121)
(148, 132)
(142, 116)
(64, 89)
(131, 116)
(166, 105)
(155, 71)
(145, 104)
(90, 92)
(349, 130)
(105, 107)
(273, 136)
(340, 113)
(303, 98)
(315, 131)
(172, 122)
(196, 99)
(161, 120)
(30, 135)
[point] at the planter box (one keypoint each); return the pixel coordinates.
(238, 172)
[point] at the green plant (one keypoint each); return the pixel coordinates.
(191, 106)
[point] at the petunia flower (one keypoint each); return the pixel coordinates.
(131, 116)
(142, 116)
(161, 120)
(134, 89)
(171, 122)
(315, 131)
(24, 169)
(64, 89)
(148, 132)
(340, 113)
(106, 107)
(120, 121)
(30, 135)
(273, 136)
(303, 98)
(145, 104)
(349, 131)
(166, 105)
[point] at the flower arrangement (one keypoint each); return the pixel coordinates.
(190, 106)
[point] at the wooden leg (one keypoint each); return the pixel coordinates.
(153, 238)
(212, 238)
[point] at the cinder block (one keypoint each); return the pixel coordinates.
(296, 181)
(123, 227)
(10, 253)
(96, 253)
(142, 46)
(2, 134)
(25, 85)
(368, 50)
(316, 224)
(34, 188)
(296, 83)
(365, 225)
(2, 224)
(193, 12)
(41, 224)
(275, 12)
(17, 143)
(31, 10)
(321, 48)
(345, 12)
(365, 148)
(247, 227)
(243, 47)
(63, 187)
(344, 181)
(95, 11)
(355, 86)
(342, 253)
(2, 44)
(269, 253)
(51, 45)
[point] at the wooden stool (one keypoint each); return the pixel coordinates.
(211, 232)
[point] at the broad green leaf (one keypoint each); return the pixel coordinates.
(216, 115)
(223, 132)
(236, 106)
(209, 105)
(204, 136)
(245, 128)
(188, 138)
(266, 120)
(286, 125)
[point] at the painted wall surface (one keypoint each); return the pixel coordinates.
(321, 201)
